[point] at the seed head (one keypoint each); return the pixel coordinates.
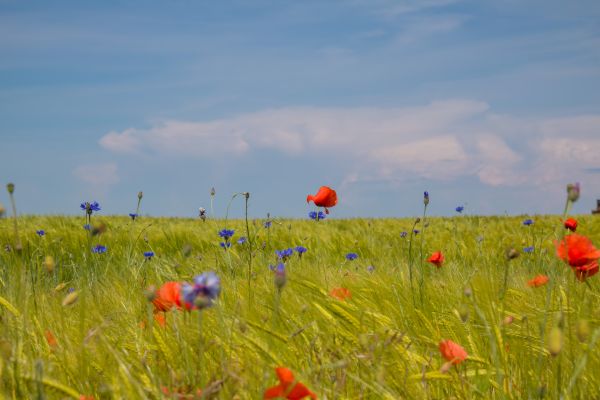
(11, 188)
(573, 192)
(512, 253)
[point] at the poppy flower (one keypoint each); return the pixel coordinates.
(325, 197)
(181, 393)
(538, 281)
(436, 259)
(452, 352)
(571, 224)
(579, 252)
(51, 339)
(167, 297)
(340, 293)
(288, 387)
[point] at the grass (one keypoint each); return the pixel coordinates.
(382, 343)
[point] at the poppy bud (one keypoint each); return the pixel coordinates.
(60, 287)
(49, 263)
(417, 220)
(555, 341)
(509, 319)
(573, 192)
(140, 195)
(213, 191)
(463, 312)
(247, 195)
(583, 330)
(70, 298)
(512, 253)
(446, 367)
(11, 188)
(468, 292)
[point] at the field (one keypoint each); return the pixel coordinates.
(80, 324)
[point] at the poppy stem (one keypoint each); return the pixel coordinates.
(11, 189)
(247, 196)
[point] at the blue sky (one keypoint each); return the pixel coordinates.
(492, 104)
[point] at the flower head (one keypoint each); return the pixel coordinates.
(40, 232)
(226, 233)
(416, 231)
(225, 245)
(317, 215)
(529, 249)
(436, 259)
(90, 207)
(528, 222)
(539, 280)
(133, 216)
(148, 255)
(426, 197)
(300, 250)
(99, 249)
(351, 256)
(579, 252)
(452, 352)
(284, 254)
(167, 297)
(203, 292)
(403, 234)
(571, 224)
(325, 197)
(340, 293)
(289, 388)
(268, 224)
(242, 240)
(573, 192)
(460, 209)
(87, 227)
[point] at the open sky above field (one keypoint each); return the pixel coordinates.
(490, 104)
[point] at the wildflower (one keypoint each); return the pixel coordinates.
(351, 256)
(426, 198)
(133, 216)
(202, 292)
(573, 192)
(325, 197)
(452, 352)
(340, 293)
(460, 209)
(268, 224)
(40, 232)
(87, 227)
(571, 224)
(213, 192)
(288, 387)
(99, 249)
(50, 338)
(529, 249)
(528, 222)
(167, 297)
(242, 240)
(226, 233)
(284, 254)
(512, 253)
(579, 252)
(280, 275)
(403, 234)
(436, 259)
(539, 280)
(371, 268)
(416, 231)
(148, 255)
(300, 250)
(90, 207)
(317, 215)
(225, 245)
(202, 213)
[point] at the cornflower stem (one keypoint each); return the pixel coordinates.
(422, 275)
(410, 264)
(249, 238)
(18, 245)
(200, 351)
(505, 280)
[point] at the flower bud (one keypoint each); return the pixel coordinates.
(512, 253)
(463, 312)
(247, 195)
(573, 192)
(213, 191)
(555, 341)
(70, 298)
(468, 292)
(49, 263)
(426, 197)
(509, 319)
(11, 188)
(583, 330)
(140, 195)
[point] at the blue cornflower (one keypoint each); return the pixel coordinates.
(416, 231)
(225, 245)
(41, 232)
(133, 216)
(529, 249)
(99, 249)
(317, 215)
(226, 233)
(460, 209)
(280, 275)
(87, 227)
(70, 290)
(528, 222)
(148, 255)
(204, 290)
(403, 234)
(90, 207)
(426, 197)
(284, 254)
(268, 224)
(242, 240)
(300, 250)
(351, 256)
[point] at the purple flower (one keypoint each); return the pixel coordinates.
(460, 209)
(317, 215)
(403, 234)
(203, 292)
(90, 207)
(529, 249)
(426, 197)
(41, 232)
(268, 224)
(528, 222)
(226, 233)
(351, 256)
(225, 245)
(87, 227)
(99, 249)
(284, 254)
(416, 231)
(242, 240)
(148, 255)
(280, 275)
(133, 216)
(300, 250)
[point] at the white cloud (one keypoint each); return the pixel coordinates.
(441, 140)
(97, 175)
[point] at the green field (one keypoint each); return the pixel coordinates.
(381, 343)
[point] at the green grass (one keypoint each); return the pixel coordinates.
(381, 343)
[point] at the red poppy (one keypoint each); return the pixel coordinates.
(181, 393)
(288, 387)
(452, 352)
(436, 259)
(167, 297)
(325, 197)
(571, 224)
(538, 281)
(340, 293)
(580, 253)
(50, 338)
(84, 397)
(159, 318)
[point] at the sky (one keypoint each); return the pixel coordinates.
(493, 105)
